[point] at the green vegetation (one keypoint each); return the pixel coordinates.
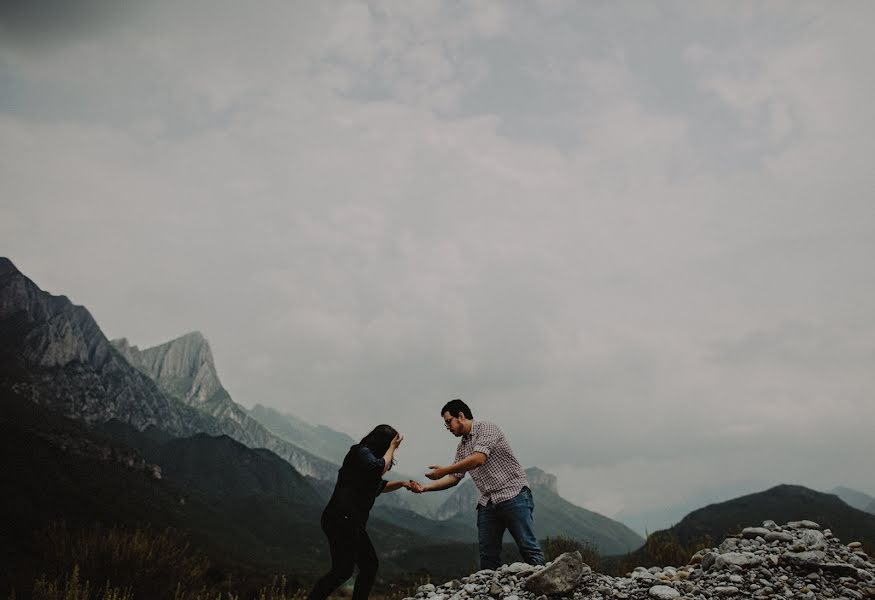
(72, 588)
(152, 563)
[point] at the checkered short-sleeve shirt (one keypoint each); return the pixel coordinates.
(501, 477)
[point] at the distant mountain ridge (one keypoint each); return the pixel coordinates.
(54, 353)
(782, 504)
(554, 516)
(855, 498)
(317, 439)
(184, 368)
(333, 445)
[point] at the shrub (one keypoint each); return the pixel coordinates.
(155, 564)
(72, 588)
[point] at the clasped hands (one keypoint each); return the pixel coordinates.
(436, 473)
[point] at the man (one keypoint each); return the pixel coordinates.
(505, 498)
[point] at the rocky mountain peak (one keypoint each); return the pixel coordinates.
(6, 267)
(39, 329)
(183, 366)
(539, 477)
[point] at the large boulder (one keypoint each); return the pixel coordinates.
(560, 577)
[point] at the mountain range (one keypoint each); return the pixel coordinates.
(168, 401)
(103, 432)
(781, 503)
(855, 498)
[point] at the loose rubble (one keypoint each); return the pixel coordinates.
(797, 560)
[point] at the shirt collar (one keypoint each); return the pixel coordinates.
(468, 435)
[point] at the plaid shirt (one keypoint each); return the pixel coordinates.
(501, 477)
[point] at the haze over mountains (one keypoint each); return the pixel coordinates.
(55, 350)
(152, 437)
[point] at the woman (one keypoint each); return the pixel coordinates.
(359, 482)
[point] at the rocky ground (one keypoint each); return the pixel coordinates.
(796, 560)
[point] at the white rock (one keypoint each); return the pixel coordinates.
(738, 559)
(804, 524)
(663, 592)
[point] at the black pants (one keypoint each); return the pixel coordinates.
(350, 546)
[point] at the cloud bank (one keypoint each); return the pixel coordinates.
(637, 237)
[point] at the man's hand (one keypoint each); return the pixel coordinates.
(436, 472)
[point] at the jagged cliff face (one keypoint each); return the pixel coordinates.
(540, 478)
(54, 353)
(184, 367)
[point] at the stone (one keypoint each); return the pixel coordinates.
(428, 587)
(726, 590)
(752, 533)
(708, 560)
(520, 568)
(495, 589)
(805, 524)
(810, 559)
(839, 568)
(663, 592)
(738, 559)
(728, 545)
(559, 578)
(778, 536)
(812, 538)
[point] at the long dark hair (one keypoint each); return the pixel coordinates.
(378, 440)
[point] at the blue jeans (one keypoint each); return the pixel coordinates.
(514, 515)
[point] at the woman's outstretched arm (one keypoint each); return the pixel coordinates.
(395, 485)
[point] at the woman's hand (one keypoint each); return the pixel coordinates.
(396, 441)
(413, 486)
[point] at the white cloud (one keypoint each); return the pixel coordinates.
(623, 252)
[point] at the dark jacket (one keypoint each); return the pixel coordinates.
(359, 482)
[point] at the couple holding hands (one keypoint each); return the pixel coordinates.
(505, 498)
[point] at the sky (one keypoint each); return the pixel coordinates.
(637, 236)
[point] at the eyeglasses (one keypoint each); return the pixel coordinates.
(448, 421)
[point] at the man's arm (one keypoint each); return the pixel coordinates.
(469, 463)
(436, 486)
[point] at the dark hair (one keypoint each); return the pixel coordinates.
(454, 407)
(378, 440)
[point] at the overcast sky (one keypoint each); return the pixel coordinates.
(638, 236)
